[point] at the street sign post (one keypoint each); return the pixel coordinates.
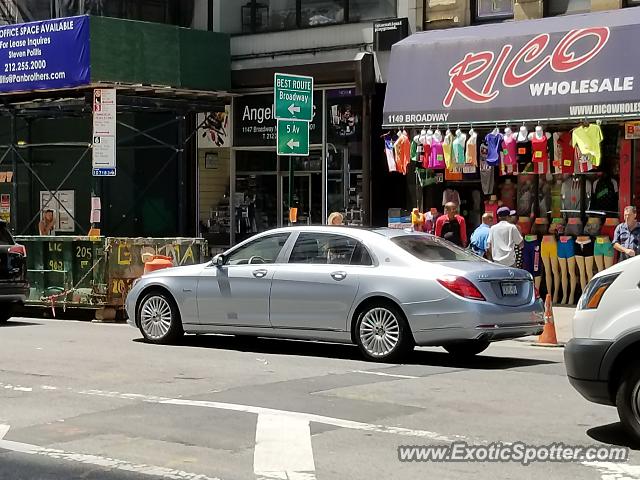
(293, 138)
(293, 109)
(293, 97)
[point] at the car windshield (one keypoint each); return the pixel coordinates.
(433, 249)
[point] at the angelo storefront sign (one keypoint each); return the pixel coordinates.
(555, 68)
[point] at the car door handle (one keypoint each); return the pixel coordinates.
(259, 273)
(339, 275)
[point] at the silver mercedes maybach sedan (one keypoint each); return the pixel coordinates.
(384, 290)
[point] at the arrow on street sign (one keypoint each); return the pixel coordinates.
(293, 109)
(291, 144)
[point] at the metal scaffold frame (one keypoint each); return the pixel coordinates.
(81, 108)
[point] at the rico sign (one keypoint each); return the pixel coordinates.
(477, 76)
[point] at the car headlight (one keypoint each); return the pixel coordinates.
(595, 290)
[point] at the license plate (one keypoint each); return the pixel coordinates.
(509, 289)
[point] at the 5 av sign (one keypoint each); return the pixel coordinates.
(293, 137)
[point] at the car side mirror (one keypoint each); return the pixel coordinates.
(218, 260)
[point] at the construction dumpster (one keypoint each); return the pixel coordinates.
(96, 272)
(126, 258)
(66, 269)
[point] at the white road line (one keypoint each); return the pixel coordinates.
(309, 417)
(382, 374)
(283, 449)
(615, 471)
(105, 462)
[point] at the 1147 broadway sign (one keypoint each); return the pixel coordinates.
(508, 72)
(45, 55)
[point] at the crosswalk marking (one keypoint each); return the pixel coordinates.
(283, 449)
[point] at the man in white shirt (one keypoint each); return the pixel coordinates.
(503, 239)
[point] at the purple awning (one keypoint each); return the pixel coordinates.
(576, 66)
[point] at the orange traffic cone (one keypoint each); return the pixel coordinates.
(549, 333)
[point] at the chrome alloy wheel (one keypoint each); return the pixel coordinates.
(155, 317)
(379, 332)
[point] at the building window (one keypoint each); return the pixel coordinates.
(365, 10)
(274, 15)
(566, 7)
(487, 10)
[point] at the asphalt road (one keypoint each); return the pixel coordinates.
(81, 400)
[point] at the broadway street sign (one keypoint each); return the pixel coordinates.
(293, 97)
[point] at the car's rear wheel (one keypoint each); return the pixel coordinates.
(382, 333)
(628, 399)
(467, 349)
(159, 318)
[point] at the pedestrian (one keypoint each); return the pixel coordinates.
(626, 238)
(336, 218)
(47, 224)
(480, 236)
(513, 218)
(503, 239)
(452, 226)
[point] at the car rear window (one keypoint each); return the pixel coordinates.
(5, 235)
(433, 249)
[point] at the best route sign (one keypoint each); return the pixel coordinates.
(293, 97)
(293, 137)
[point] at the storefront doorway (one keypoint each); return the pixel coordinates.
(306, 197)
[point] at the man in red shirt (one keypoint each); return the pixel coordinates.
(452, 226)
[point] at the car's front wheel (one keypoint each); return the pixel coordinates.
(628, 399)
(159, 318)
(382, 333)
(467, 349)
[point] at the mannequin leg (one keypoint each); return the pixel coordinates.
(608, 262)
(555, 267)
(599, 262)
(548, 277)
(583, 272)
(565, 280)
(537, 281)
(588, 264)
(573, 279)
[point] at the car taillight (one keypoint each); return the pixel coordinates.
(595, 290)
(461, 286)
(19, 249)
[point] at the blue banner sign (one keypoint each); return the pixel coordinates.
(45, 55)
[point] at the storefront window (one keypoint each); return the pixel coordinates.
(493, 9)
(255, 203)
(344, 154)
(567, 7)
(364, 10)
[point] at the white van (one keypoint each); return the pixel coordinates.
(603, 358)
